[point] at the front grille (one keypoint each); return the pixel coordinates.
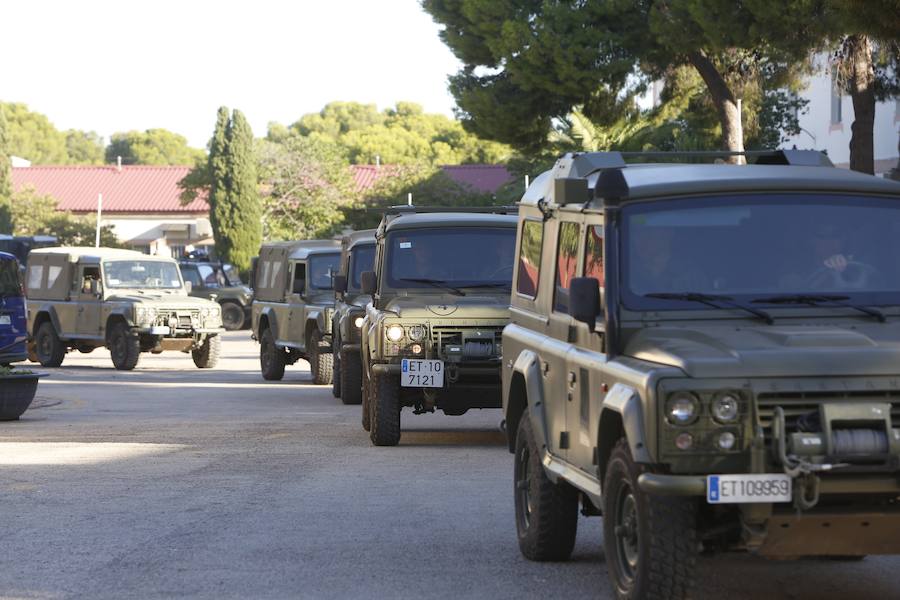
(183, 319)
(796, 404)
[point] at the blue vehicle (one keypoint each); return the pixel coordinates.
(13, 328)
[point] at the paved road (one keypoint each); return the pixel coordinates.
(170, 481)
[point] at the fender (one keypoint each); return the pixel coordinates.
(528, 364)
(315, 319)
(125, 313)
(54, 318)
(625, 400)
(269, 313)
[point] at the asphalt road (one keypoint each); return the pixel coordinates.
(170, 481)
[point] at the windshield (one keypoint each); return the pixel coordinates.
(150, 274)
(759, 247)
(455, 256)
(9, 278)
(322, 267)
(231, 274)
(362, 258)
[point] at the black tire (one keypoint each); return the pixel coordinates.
(546, 512)
(271, 357)
(650, 541)
(384, 409)
(335, 370)
(124, 347)
(207, 355)
(366, 408)
(48, 349)
(232, 316)
(320, 358)
(351, 377)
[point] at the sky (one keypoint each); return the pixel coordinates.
(110, 66)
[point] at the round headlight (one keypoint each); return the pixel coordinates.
(682, 408)
(416, 333)
(395, 333)
(726, 440)
(357, 322)
(726, 408)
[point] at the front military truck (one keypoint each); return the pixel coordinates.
(219, 282)
(357, 256)
(706, 355)
(87, 298)
(291, 314)
(440, 299)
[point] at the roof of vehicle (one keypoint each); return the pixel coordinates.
(356, 238)
(77, 252)
(448, 219)
(301, 249)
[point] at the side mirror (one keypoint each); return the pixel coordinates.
(188, 286)
(584, 300)
(340, 283)
(369, 282)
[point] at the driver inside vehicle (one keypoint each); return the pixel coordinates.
(828, 263)
(659, 266)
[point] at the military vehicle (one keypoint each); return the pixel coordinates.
(220, 282)
(440, 299)
(357, 256)
(291, 316)
(86, 298)
(705, 354)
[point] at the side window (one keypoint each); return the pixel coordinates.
(88, 274)
(191, 274)
(35, 274)
(530, 258)
(299, 284)
(566, 264)
(593, 254)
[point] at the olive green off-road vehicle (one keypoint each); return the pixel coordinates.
(357, 256)
(431, 335)
(705, 355)
(222, 283)
(291, 315)
(86, 298)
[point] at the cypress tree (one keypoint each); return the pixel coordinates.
(6, 225)
(245, 224)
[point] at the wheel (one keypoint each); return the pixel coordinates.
(335, 371)
(351, 377)
(546, 512)
(271, 357)
(232, 316)
(650, 541)
(384, 409)
(124, 347)
(366, 409)
(48, 348)
(207, 355)
(319, 359)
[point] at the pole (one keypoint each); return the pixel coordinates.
(99, 212)
(741, 160)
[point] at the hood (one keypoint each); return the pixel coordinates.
(434, 306)
(161, 300)
(869, 349)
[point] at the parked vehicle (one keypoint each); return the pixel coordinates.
(13, 331)
(292, 308)
(705, 354)
(357, 256)
(440, 299)
(220, 282)
(86, 298)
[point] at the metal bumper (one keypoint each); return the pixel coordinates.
(394, 368)
(166, 330)
(350, 348)
(672, 485)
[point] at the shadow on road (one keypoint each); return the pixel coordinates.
(452, 437)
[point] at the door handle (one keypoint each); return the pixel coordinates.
(571, 379)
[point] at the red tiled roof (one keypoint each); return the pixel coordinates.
(483, 178)
(134, 189)
(366, 176)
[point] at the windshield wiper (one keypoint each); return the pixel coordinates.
(817, 300)
(488, 285)
(715, 301)
(438, 283)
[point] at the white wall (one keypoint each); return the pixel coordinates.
(160, 232)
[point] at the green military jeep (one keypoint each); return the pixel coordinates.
(86, 298)
(357, 256)
(291, 314)
(222, 283)
(705, 355)
(431, 335)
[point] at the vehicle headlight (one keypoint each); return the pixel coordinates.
(394, 333)
(416, 333)
(357, 322)
(681, 409)
(204, 312)
(145, 314)
(726, 408)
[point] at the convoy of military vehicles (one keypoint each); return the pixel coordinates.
(705, 355)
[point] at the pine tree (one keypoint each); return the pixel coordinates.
(217, 169)
(5, 180)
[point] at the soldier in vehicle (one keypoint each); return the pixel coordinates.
(829, 263)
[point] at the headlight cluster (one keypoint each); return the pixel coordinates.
(144, 315)
(709, 423)
(211, 311)
(415, 333)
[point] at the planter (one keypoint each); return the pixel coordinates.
(16, 393)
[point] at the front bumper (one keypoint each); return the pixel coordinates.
(165, 330)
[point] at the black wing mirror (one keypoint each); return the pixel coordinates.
(584, 300)
(368, 282)
(340, 283)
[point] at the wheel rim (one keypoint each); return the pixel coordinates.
(44, 346)
(523, 488)
(626, 533)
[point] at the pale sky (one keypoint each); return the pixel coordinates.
(111, 66)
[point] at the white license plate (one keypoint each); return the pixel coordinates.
(743, 489)
(421, 373)
(5, 320)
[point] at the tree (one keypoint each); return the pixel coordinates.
(37, 214)
(32, 136)
(151, 147)
(524, 67)
(5, 180)
(84, 147)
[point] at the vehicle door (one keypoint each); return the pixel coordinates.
(297, 301)
(89, 298)
(192, 275)
(585, 362)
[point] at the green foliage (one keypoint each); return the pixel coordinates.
(151, 147)
(32, 136)
(84, 147)
(36, 214)
(5, 180)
